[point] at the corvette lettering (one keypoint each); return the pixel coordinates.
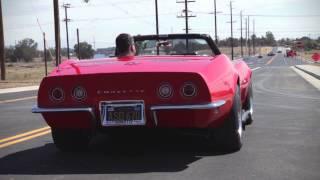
(130, 91)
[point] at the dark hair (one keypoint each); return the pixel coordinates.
(123, 42)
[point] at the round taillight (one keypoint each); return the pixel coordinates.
(57, 94)
(165, 91)
(189, 90)
(79, 93)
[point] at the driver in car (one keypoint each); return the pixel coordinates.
(125, 46)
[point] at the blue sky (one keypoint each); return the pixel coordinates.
(100, 21)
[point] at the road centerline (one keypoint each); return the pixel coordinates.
(24, 136)
(24, 139)
(270, 61)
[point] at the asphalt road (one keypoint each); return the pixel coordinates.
(282, 143)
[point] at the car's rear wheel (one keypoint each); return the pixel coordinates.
(228, 136)
(248, 106)
(71, 140)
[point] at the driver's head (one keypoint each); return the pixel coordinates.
(125, 45)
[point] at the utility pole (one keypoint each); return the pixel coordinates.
(66, 6)
(2, 53)
(157, 22)
(157, 18)
(249, 48)
(246, 34)
(215, 22)
(231, 22)
(45, 53)
(253, 39)
(241, 38)
(78, 42)
(57, 31)
(185, 13)
(186, 16)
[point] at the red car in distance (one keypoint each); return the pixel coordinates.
(291, 53)
(175, 81)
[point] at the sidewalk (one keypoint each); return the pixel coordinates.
(313, 70)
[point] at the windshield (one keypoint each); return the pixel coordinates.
(180, 46)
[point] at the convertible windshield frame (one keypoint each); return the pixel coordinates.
(207, 38)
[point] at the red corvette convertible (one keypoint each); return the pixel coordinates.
(175, 81)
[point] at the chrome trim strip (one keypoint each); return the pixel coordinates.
(36, 109)
(212, 105)
(155, 117)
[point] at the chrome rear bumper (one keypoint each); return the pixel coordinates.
(212, 105)
(154, 109)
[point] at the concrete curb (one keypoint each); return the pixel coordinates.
(308, 72)
(310, 61)
(19, 89)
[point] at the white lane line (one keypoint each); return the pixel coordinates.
(19, 89)
(16, 100)
(254, 69)
(285, 62)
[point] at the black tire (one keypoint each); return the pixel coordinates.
(71, 140)
(248, 106)
(228, 137)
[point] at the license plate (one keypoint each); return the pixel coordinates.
(122, 113)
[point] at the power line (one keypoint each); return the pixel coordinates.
(127, 12)
(284, 16)
(263, 15)
(152, 15)
(108, 4)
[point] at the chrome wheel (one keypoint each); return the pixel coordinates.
(239, 113)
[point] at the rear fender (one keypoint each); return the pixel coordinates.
(245, 74)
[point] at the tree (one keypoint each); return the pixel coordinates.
(308, 43)
(270, 40)
(86, 51)
(26, 49)
(9, 51)
(64, 52)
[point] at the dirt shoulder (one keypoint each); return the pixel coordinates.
(22, 74)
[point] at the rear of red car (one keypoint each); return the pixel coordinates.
(94, 101)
